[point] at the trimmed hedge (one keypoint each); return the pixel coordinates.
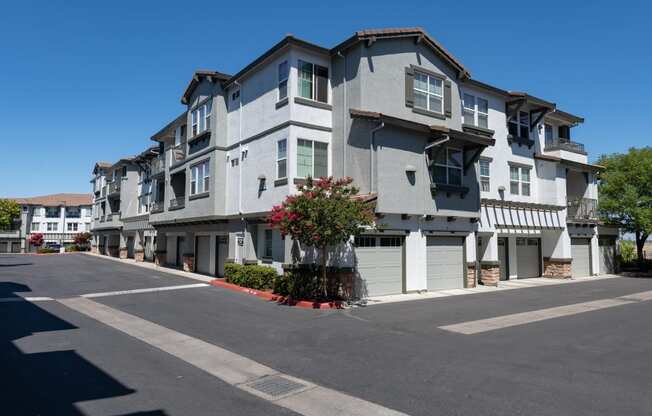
(251, 276)
(46, 250)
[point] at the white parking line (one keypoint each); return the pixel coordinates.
(26, 299)
(147, 290)
(506, 321)
(302, 396)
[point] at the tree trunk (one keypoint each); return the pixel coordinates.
(324, 276)
(641, 237)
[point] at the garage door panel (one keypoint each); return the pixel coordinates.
(202, 255)
(607, 254)
(528, 263)
(444, 263)
(380, 268)
(581, 254)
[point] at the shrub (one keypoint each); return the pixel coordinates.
(627, 251)
(73, 248)
(300, 283)
(46, 250)
(251, 276)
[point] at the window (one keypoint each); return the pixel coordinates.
(177, 136)
(73, 226)
(143, 204)
(88, 226)
(429, 92)
(208, 111)
(282, 159)
(283, 80)
(483, 113)
(36, 226)
(199, 182)
(201, 118)
(520, 127)
(124, 172)
(548, 134)
(53, 226)
(312, 159)
(484, 175)
(519, 180)
(476, 111)
(390, 241)
(234, 162)
(313, 81)
(365, 241)
(469, 109)
(447, 167)
(73, 212)
(268, 244)
(52, 212)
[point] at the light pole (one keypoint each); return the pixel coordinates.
(62, 249)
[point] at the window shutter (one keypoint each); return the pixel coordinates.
(409, 87)
(448, 98)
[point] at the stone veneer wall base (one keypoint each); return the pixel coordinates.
(557, 268)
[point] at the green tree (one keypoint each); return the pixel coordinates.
(9, 211)
(325, 213)
(626, 193)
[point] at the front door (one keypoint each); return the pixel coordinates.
(503, 258)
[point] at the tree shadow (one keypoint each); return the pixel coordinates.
(16, 264)
(46, 383)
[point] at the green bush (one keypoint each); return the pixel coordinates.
(73, 248)
(627, 251)
(46, 250)
(251, 276)
(300, 283)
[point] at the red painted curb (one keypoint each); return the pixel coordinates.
(277, 298)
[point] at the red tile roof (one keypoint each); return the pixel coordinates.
(56, 200)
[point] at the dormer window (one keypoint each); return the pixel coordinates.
(428, 92)
(201, 118)
(313, 81)
(476, 111)
(520, 127)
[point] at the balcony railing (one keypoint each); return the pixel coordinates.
(176, 203)
(157, 206)
(9, 233)
(565, 144)
(158, 165)
(114, 187)
(113, 216)
(582, 208)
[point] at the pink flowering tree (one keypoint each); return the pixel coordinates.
(36, 239)
(325, 213)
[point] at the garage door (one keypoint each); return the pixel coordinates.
(15, 247)
(581, 253)
(4, 247)
(202, 254)
(379, 262)
(607, 254)
(528, 259)
(130, 247)
(445, 263)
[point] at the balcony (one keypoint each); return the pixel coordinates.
(9, 233)
(114, 188)
(565, 144)
(158, 165)
(582, 209)
(157, 207)
(178, 203)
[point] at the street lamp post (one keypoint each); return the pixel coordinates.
(62, 249)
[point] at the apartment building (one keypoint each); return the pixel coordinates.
(58, 217)
(121, 206)
(468, 181)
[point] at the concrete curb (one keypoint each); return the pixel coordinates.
(277, 298)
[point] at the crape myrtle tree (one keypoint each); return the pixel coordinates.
(36, 239)
(324, 213)
(625, 192)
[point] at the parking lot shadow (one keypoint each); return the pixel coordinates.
(51, 382)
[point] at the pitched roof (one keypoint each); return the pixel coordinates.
(197, 77)
(54, 200)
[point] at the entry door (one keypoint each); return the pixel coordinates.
(503, 258)
(130, 247)
(581, 253)
(445, 263)
(607, 255)
(180, 244)
(203, 254)
(528, 257)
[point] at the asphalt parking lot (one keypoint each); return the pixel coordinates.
(400, 356)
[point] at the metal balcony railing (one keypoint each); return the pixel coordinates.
(157, 206)
(114, 187)
(582, 208)
(565, 144)
(179, 202)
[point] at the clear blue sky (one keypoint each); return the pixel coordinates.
(82, 81)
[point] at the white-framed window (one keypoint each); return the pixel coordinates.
(283, 73)
(52, 212)
(36, 226)
(268, 244)
(548, 134)
(208, 112)
(428, 92)
(447, 166)
(143, 204)
(195, 119)
(476, 111)
(199, 178)
(313, 81)
(519, 126)
(519, 180)
(201, 117)
(73, 226)
(177, 136)
(282, 159)
(485, 175)
(53, 226)
(312, 159)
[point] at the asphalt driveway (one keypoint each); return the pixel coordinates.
(395, 355)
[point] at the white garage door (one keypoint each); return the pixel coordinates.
(581, 253)
(203, 254)
(527, 256)
(379, 261)
(607, 255)
(445, 263)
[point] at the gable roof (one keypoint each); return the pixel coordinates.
(169, 128)
(196, 79)
(55, 200)
(372, 35)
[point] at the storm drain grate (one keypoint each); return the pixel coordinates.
(275, 386)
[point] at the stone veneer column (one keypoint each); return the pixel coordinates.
(139, 255)
(557, 268)
(189, 263)
(123, 252)
(159, 257)
(470, 275)
(490, 273)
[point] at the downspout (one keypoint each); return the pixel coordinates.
(372, 144)
(242, 218)
(344, 110)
